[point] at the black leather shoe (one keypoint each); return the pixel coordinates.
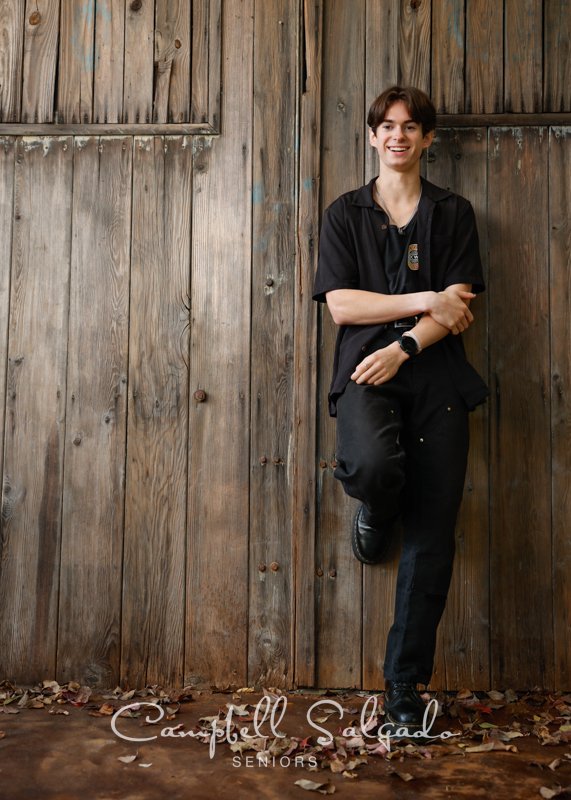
(370, 544)
(403, 705)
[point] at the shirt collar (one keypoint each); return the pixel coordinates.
(364, 196)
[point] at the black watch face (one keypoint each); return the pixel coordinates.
(409, 345)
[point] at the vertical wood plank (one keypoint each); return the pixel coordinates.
(381, 68)
(217, 630)
(458, 160)
(448, 26)
(520, 480)
(206, 61)
(157, 431)
(75, 69)
(270, 651)
(560, 263)
(484, 57)
(7, 159)
(557, 50)
(523, 55)
(40, 60)
(109, 58)
(304, 455)
(138, 66)
(11, 58)
(172, 61)
(339, 583)
(94, 479)
(35, 409)
(414, 44)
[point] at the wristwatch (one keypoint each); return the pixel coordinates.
(409, 344)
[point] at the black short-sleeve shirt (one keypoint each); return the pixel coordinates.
(353, 237)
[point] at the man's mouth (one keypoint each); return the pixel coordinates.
(398, 149)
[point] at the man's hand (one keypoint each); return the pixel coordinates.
(450, 309)
(380, 366)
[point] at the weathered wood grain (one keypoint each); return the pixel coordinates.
(520, 478)
(339, 583)
(96, 414)
(217, 603)
(560, 323)
(523, 55)
(157, 432)
(414, 44)
(557, 55)
(484, 56)
(447, 68)
(75, 69)
(109, 58)
(11, 58)
(304, 457)
(458, 160)
(206, 61)
(41, 33)
(7, 159)
(35, 409)
(270, 646)
(382, 65)
(138, 64)
(171, 102)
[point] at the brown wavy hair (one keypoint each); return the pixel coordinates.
(419, 104)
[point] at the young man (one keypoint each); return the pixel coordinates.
(398, 266)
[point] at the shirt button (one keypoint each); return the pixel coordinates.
(383, 227)
(364, 349)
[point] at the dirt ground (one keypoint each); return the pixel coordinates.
(66, 743)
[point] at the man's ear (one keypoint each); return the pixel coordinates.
(372, 137)
(427, 140)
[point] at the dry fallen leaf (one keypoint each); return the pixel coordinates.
(312, 786)
(127, 759)
(494, 745)
(548, 793)
(405, 776)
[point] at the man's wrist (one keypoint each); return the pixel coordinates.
(409, 344)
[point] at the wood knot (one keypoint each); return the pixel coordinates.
(136, 5)
(415, 4)
(35, 18)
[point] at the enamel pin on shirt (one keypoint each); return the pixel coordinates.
(412, 258)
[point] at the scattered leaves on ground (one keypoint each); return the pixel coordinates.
(486, 722)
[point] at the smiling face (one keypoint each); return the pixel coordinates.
(399, 140)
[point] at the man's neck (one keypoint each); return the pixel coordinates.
(398, 186)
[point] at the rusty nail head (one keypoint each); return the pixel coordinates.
(332, 573)
(200, 395)
(334, 464)
(77, 439)
(319, 572)
(274, 566)
(269, 281)
(263, 460)
(262, 567)
(322, 463)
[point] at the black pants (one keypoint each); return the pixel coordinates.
(402, 448)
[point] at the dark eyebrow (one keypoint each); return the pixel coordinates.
(406, 122)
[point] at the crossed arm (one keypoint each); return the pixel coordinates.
(442, 313)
